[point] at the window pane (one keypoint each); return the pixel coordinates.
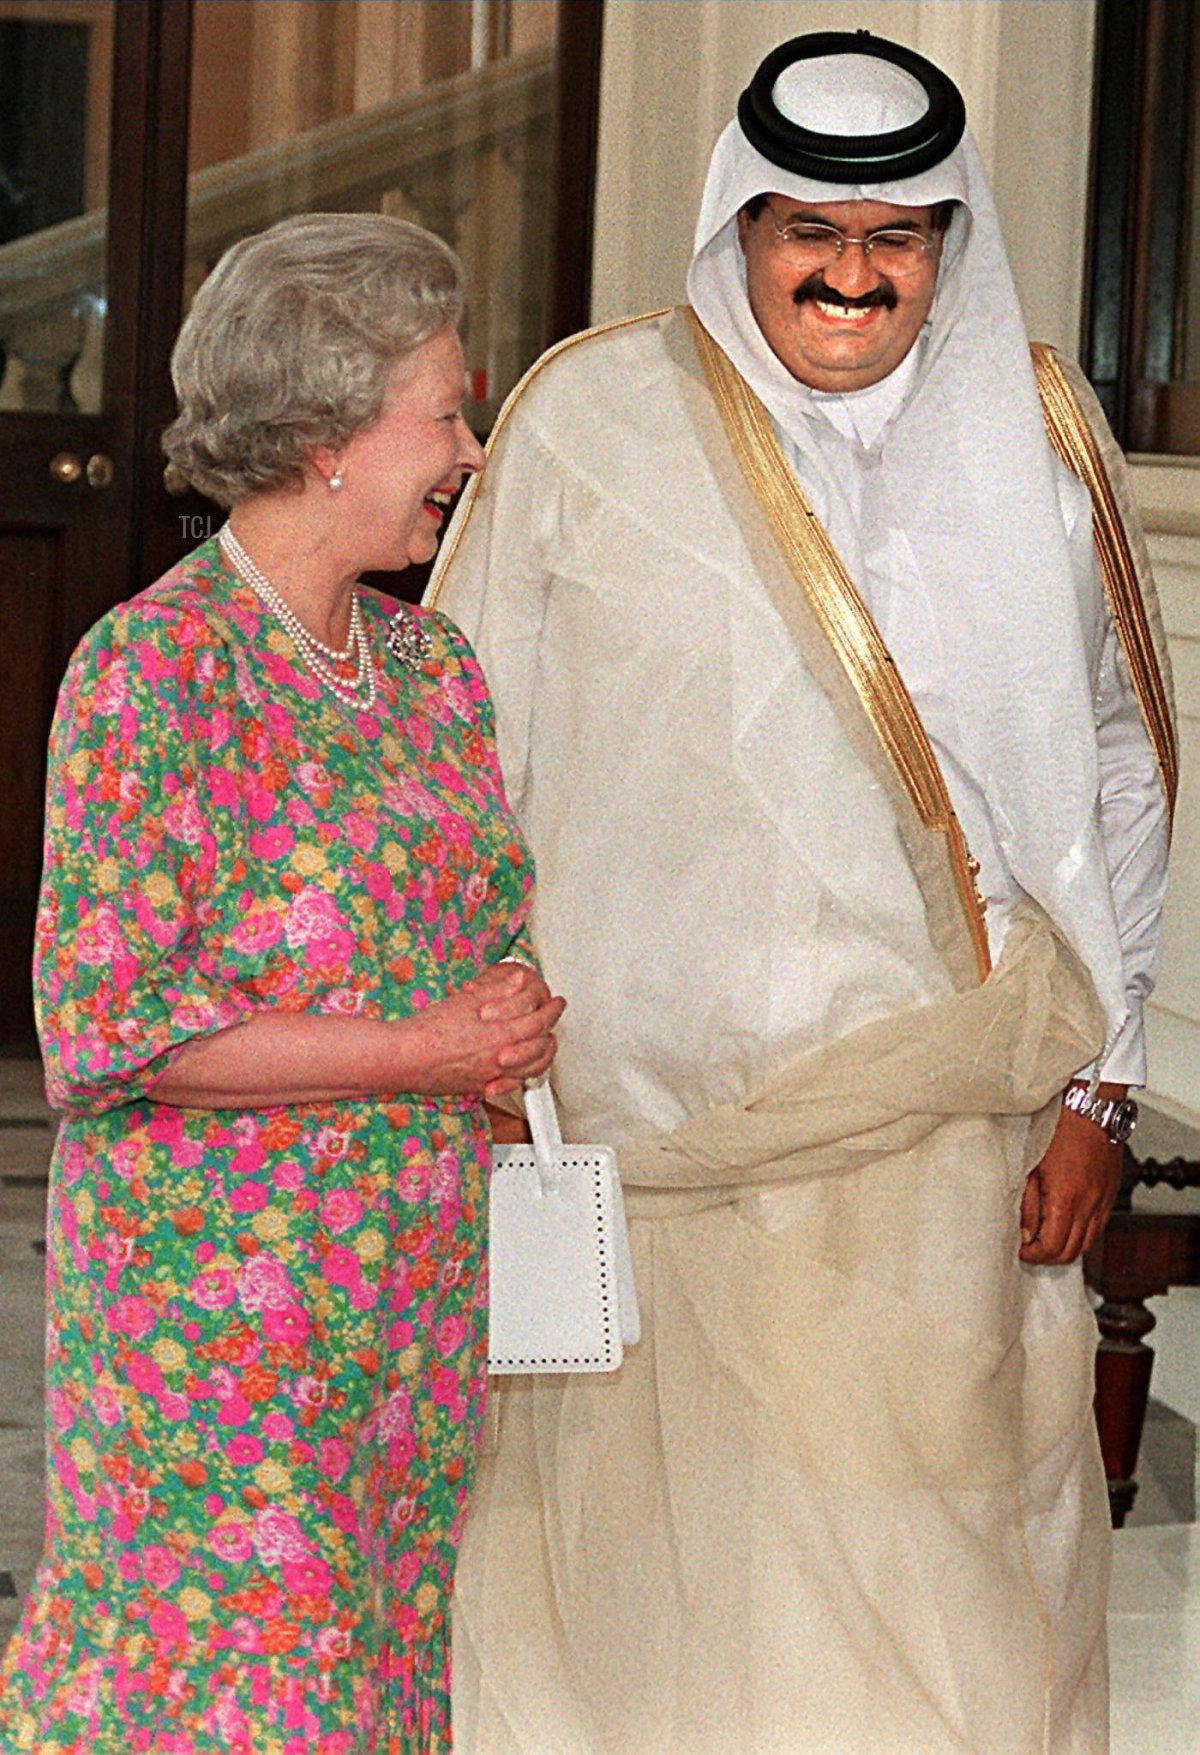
(1143, 341)
(55, 84)
(437, 111)
(1166, 407)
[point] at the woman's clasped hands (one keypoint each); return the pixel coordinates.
(489, 1035)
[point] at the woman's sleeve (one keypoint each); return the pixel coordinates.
(121, 975)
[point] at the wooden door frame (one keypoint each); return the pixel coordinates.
(1140, 140)
(162, 243)
(576, 138)
(78, 543)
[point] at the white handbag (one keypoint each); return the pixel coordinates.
(561, 1275)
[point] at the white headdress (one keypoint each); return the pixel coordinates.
(969, 476)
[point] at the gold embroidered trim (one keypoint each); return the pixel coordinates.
(1072, 438)
(843, 617)
(445, 558)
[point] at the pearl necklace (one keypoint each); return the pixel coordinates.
(320, 658)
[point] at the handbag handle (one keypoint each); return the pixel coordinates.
(544, 1130)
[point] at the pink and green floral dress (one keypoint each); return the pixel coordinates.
(267, 1328)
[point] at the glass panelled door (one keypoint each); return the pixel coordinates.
(137, 139)
(56, 80)
(440, 111)
(73, 74)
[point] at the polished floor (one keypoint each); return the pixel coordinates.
(1155, 1615)
(1154, 1633)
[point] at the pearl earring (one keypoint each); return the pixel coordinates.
(335, 481)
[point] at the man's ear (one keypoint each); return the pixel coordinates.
(744, 223)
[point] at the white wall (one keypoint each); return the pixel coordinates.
(1169, 493)
(672, 73)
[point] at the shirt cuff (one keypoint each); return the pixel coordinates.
(1125, 1063)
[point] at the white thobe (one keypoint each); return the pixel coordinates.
(1133, 823)
(724, 892)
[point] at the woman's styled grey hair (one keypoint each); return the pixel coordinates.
(292, 341)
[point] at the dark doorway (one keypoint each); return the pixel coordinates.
(106, 230)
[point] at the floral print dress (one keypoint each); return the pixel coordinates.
(267, 1328)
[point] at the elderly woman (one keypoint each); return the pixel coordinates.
(279, 968)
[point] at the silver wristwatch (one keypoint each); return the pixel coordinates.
(1116, 1115)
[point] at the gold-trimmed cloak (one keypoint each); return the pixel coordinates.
(845, 1497)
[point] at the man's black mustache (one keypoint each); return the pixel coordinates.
(816, 287)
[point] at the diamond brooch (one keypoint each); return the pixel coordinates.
(408, 639)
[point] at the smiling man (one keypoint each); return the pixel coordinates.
(863, 300)
(848, 777)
